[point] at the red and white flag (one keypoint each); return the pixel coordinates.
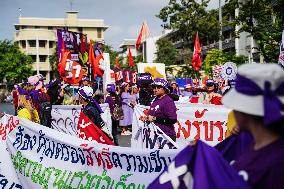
(89, 131)
(144, 34)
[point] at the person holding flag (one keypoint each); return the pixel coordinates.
(258, 104)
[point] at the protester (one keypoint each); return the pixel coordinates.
(15, 96)
(55, 92)
(187, 90)
(174, 89)
(127, 106)
(145, 95)
(91, 108)
(211, 97)
(25, 108)
(116, 111)
(99, 48)
(163, 110)
(84, 82)
(257, 101)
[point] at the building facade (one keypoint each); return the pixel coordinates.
(128, 43)
(37, 37)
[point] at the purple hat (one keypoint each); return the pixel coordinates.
(210, 82)
(145, 76)
(110, 88)
(85, 78)
(161, 82)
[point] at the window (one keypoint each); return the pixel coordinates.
(99, 30)
(24, 27)
(32, 43)
(50, 28)
(37, 27)
(23, 44)
(33, 57)
(41, 43)
(42, 58)
(80, 29)
(50, 44)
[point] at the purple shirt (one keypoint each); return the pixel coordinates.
(110, 100)
(164, 108)
(264, 168)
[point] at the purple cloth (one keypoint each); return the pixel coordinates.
(271, 103)
(110, 101)
(264, 167)
(233, 147)
(127, 109)
(164, 108)
(199, 167)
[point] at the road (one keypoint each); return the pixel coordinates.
(8, 108)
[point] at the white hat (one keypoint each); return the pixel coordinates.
(259, 91)
(86, 92)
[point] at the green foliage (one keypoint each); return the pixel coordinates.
(217, 57)
(264, 22)
(53, 59)
(166, 52)
(14, 65)
(186, 17)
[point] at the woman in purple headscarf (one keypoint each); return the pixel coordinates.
(257, 101)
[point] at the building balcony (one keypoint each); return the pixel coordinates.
(43, 66)
(33, 34)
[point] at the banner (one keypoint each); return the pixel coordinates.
(195, 121)
(125, 76)
(157, 70)
(65, 118)
(75, 43)
(8, 176)
(46, 158)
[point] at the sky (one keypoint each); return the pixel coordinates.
(124, 17)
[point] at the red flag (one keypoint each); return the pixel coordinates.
(95, 62)
(196, 61)
(144, 33)
(116, 62)
(89, 131)
(131, 63)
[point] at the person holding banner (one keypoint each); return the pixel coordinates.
(163, 111)
(258, 104)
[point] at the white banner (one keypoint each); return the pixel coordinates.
(65, 118)
(46, 158)
(8, 176)
(195, 121)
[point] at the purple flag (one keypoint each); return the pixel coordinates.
(199, 167)
(234, 146)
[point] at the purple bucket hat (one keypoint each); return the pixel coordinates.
(161, 82)
(110, 88)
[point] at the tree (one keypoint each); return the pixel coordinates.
(166, 52)
(217, 57)
(14, 65)
(264, 22)
(186, 17)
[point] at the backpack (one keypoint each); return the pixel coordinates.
(118, 113)
(45, 111)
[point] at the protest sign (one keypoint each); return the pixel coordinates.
(46, 158)
(195, 121)
(65, 118)
(8, 176)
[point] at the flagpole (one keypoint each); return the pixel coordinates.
(220, 23)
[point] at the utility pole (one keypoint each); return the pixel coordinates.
(220, 23)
